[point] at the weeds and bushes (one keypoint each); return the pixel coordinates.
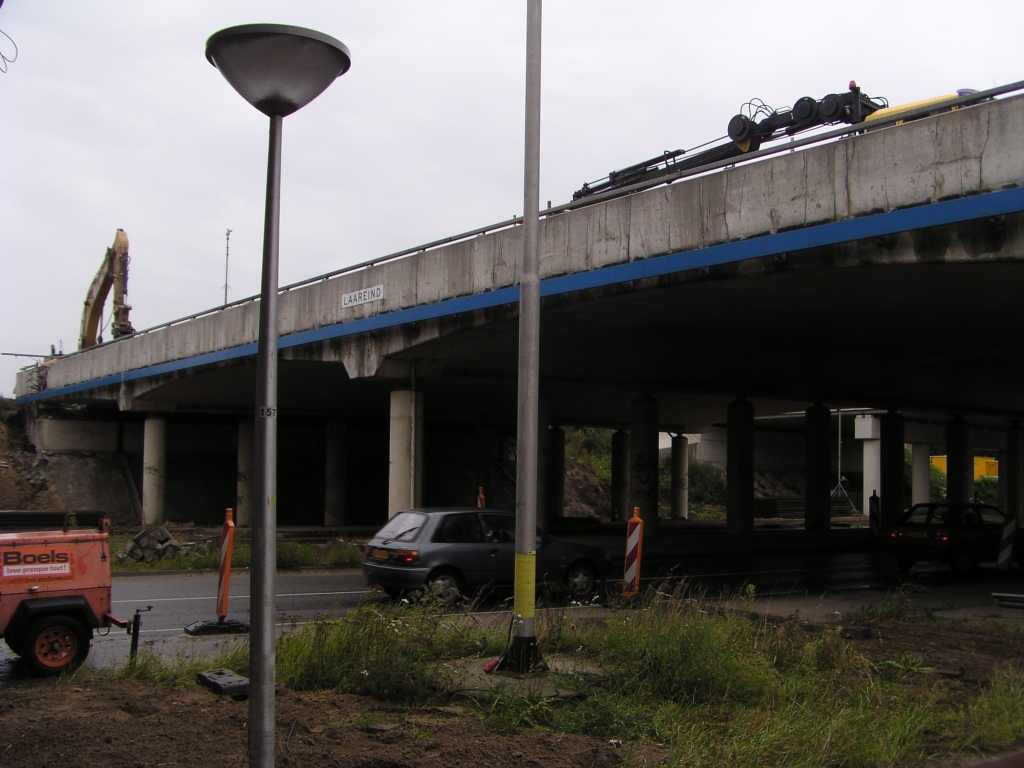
(716, 687)
(592, 448)
(394, 653)
(290, 555)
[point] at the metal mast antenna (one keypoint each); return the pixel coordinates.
(227, 251)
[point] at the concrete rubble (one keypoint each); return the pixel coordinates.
(151, 545)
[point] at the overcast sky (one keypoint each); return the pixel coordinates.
(111, 117)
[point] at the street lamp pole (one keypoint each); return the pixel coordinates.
(278, 69)
(262, 606)
(524, 653)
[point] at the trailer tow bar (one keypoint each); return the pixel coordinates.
(136, 627)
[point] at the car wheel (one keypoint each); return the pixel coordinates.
(580, 581)
(445, 585)
(54, 644)
(962, 561)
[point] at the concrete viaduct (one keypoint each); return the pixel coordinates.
(881, 271)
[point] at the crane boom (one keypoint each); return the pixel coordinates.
(113, 272)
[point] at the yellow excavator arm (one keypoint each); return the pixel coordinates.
(113, 272)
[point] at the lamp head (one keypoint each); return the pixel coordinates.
(275, 67)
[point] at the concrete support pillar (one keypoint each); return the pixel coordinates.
(739, 460)
(893, 468)
(959, 461)
(643, 461)
(868, 430)
(244, 479)
(405, 451)
(920, 473)
(154, 470)
(817, 470)
(556, 472)
(1014, 472)
(620, 475)
(334, 473)
(680, 477)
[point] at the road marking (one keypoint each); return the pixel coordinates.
(235, 597)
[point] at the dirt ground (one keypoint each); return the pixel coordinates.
(968, 651)
(133, 724)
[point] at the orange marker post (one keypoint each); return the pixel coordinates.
(226, 541)
(634, 545)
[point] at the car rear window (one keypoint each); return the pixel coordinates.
(917, 516)
(461, 528)
(405, 526)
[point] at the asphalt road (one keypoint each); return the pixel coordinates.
(179, 600)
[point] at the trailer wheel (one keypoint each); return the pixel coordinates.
(54, 644)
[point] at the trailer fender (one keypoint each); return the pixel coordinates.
(70, 605)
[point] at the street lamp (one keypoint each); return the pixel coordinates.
(278, 69)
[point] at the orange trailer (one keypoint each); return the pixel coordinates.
(54, 586)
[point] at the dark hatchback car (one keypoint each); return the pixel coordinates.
(458, 550)
(963, 535)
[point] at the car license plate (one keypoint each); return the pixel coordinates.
(917, 534)
(380, 554)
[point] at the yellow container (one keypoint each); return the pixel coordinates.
(984, 466)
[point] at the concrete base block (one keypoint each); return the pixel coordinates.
(224, 681)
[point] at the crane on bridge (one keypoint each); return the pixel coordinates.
(756, 124)
(112, 272)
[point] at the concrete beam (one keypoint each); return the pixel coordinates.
(739, 511)
(405, 474)
(818, 470)
(244, 483)
(680, 477)
(334, 473)
(643, 462)
(154, 470)
(893, 463)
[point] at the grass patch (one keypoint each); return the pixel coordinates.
(396, 653)
(711, 684)
(290, 555)
(722, 690)
(179, 672)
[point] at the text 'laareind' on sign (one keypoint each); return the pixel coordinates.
(363, 296)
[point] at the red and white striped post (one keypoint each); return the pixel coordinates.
(634, 545)
(227, 539)
(1006, 547)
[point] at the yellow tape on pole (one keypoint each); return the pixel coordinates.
(525, 602)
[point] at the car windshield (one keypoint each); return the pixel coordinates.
(405, 526)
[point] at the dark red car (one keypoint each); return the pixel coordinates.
(963, 535)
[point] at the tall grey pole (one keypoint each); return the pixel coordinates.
(264, 524)
(227, 252)
(523, 653)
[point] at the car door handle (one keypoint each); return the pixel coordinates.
(495, 551)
